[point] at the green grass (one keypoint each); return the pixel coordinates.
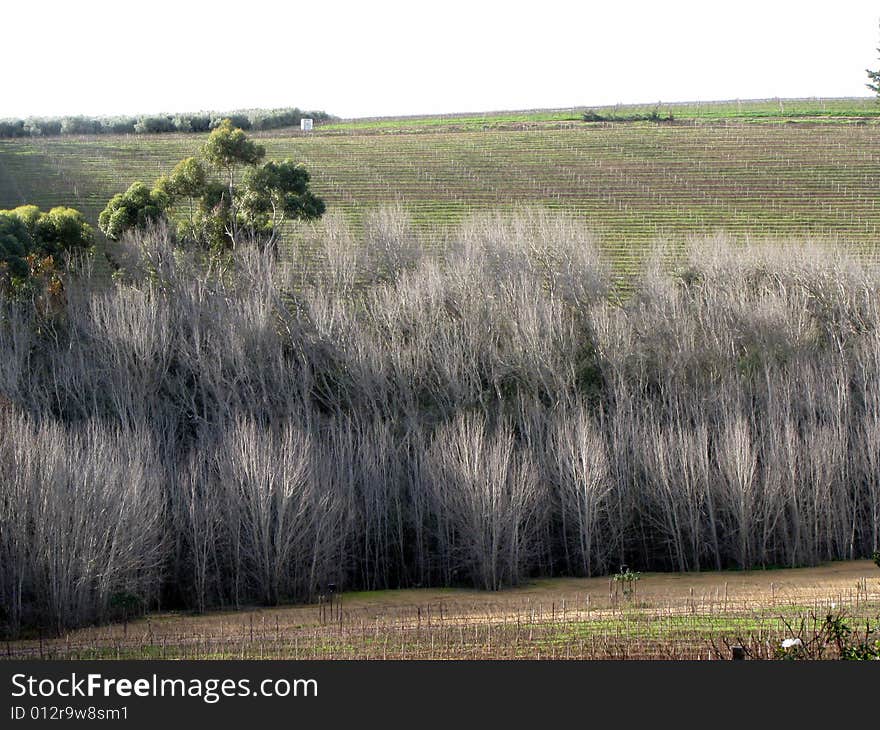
(766, 109)
(461, 121)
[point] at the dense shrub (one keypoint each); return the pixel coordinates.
(33, 241)
(135, 208)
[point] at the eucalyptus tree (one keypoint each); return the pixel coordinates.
(229, 149)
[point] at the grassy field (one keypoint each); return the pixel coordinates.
(764, 110)
(785, 168)
(670, 616)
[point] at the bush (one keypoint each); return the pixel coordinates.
(35, 247)
(61, 230)
(135, 208)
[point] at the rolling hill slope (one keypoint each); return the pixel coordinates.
(796, 171)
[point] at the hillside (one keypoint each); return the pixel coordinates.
(785, 167)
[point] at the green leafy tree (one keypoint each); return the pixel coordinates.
(228, 149)
(188, 180)
(214, 213)
(212, 220)
(273, 193)
(134, 208)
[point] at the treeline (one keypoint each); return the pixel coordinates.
(222, 431)
(249, 119)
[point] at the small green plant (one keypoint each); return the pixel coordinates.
(876, 558)
(626, 579)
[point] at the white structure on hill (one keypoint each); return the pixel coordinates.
(306, 125)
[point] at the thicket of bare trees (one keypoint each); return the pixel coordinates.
(372, 414)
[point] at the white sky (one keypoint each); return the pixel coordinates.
(383, 57)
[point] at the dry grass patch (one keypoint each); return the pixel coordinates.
(679, 616)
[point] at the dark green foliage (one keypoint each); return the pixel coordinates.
(214, 196)
(192, 123)
(876, 558)
(61, 230)
(279, 118)
(268, 195)
(212, 218)
(37, 127)
(155, 125)
(238, 121)
(134, 208)
(15, 244)
(31, 241)
(187, 182)
(275, 191)
(653, 116)
(50, 126)
(261, 120)
(12, 128)
(209, 212)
